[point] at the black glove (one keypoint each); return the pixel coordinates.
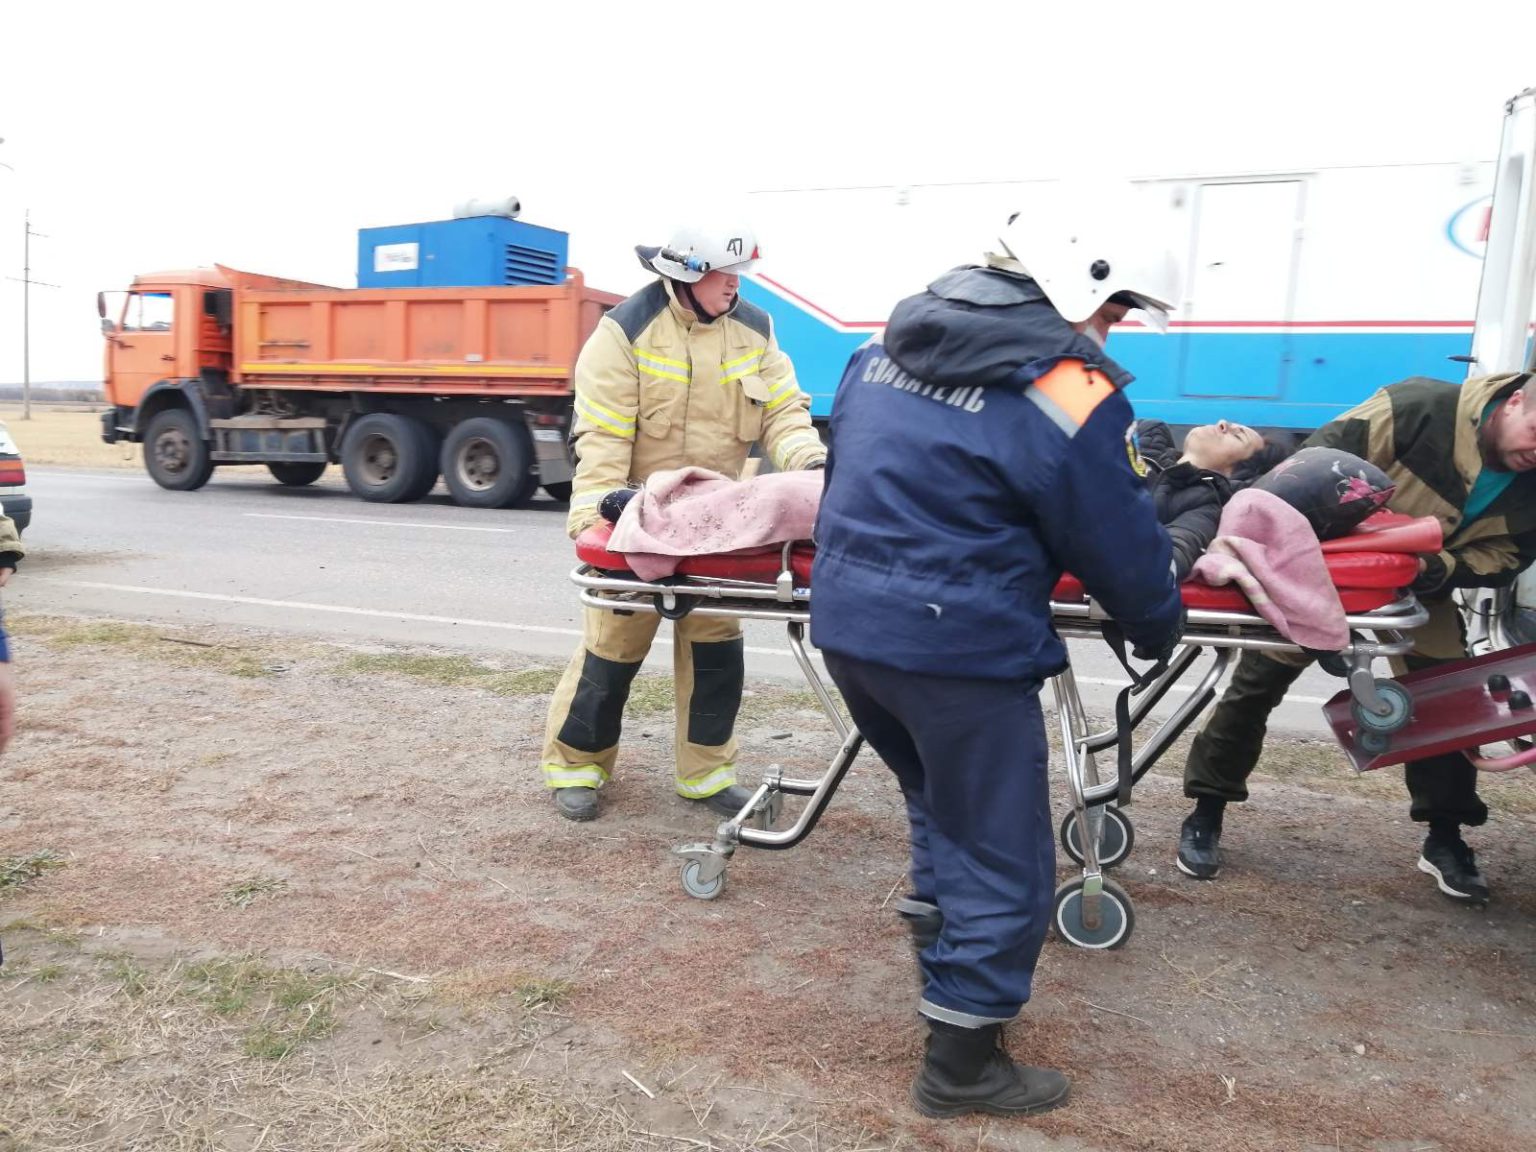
(611, 506)
(1170, 644)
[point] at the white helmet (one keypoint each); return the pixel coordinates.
(691, 252)
(1089, 246)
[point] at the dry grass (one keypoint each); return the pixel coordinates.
(105, 1051)
(69, 438)
(503, 969)
(455, 672)
(17, 870)
(158, 645)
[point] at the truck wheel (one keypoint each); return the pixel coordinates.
(296, 473)
(176, 456)
(389, 459)
(487, 463)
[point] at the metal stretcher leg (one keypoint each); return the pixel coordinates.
(1094, 911)
(703, 870)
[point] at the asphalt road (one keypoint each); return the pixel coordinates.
(318, 563)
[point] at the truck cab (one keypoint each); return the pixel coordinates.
(168, 326)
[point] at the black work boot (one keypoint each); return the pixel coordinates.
(967, 1070)
(1200, 840)
(579, 803)
(1447, 858)
(924, 921)
(728, 801)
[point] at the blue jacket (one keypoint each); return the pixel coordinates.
(958, 490)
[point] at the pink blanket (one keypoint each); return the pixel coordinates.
(1270, 552)
(695, 512)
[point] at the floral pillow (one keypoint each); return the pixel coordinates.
(1333, 489)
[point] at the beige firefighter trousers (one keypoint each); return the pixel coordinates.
(581, 741)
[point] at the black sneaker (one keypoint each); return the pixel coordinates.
(1200, 846)
(1454, 868)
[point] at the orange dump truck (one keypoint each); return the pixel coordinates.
(212, 367)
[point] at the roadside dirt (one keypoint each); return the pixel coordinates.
(259, 896)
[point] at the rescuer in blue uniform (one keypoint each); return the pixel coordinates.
(977, 452)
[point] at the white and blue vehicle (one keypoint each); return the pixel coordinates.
(1304, 291)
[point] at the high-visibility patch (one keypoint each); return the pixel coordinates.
(1074, 389)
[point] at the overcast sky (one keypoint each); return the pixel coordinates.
(262, 135)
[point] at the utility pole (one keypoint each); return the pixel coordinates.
(26, 312)
(26, 318)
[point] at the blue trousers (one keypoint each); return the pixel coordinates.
(970, 756)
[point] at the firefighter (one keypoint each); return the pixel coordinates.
(977, 450)
(684, 372)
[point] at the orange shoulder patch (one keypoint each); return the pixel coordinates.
(1075, 388)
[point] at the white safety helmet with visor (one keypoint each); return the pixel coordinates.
(693, 252)
(1087, 248)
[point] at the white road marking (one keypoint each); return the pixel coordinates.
(382, 523)
(347, 610)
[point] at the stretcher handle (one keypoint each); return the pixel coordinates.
(1114, 636)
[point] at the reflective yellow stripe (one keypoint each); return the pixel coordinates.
(661, 367)
(327, 368)
(583, 499)
(594, 406)
(655, 359)
(792, 444)
(717, 781)
(742, 366)
(755, 354)
(580, 776)
(792, 394)
(662, 373)
(623, 427)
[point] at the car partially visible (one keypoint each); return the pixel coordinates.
(13, 482)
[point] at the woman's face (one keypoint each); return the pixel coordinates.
(1221, 446)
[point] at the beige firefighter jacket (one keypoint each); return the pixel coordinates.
(657, 388)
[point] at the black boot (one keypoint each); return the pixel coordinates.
(579, 804)
(967, 1070)
(728, 801)
(924, 921)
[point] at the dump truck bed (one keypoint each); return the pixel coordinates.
(467, 341)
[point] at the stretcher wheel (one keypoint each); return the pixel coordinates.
(701, 889)
(1116, 839)
(1373, 742)
(1117, 920)
(1369, 724)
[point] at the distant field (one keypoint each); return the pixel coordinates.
(68, 437)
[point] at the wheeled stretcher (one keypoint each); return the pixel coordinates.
(1091, 910)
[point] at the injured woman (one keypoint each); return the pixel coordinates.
(1189, 486)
